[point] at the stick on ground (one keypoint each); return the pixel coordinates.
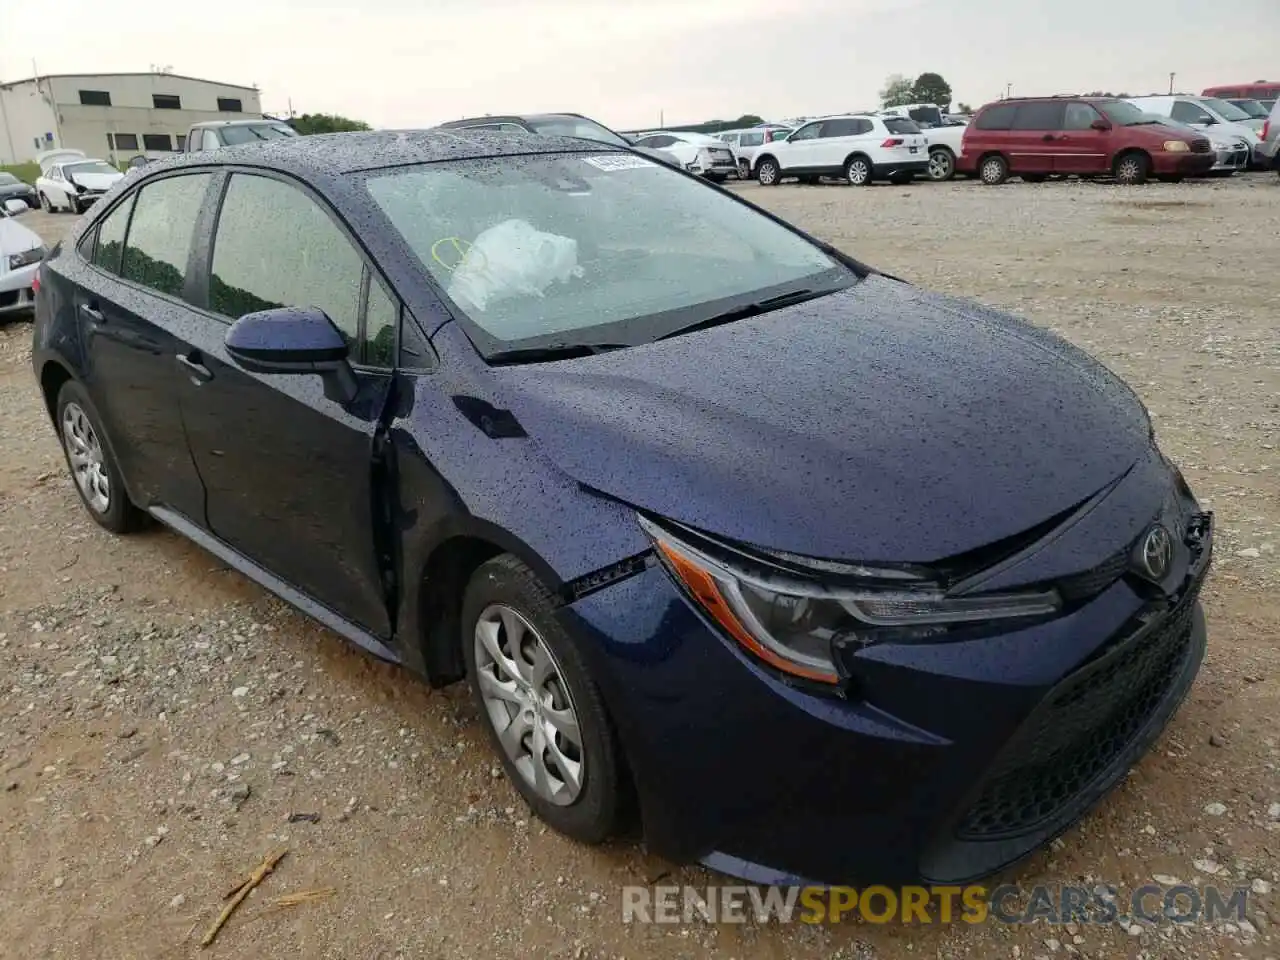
(237, 896)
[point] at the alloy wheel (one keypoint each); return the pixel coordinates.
(941, 166)
(84, 451)
(529, 705)
(858, 172)
(1129, 170)
(767, 174)
(993, 171)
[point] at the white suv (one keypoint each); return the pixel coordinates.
(749, 142)
(860, 148)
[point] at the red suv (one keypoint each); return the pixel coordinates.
(1035, 137)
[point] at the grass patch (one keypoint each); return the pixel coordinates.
(26, 172)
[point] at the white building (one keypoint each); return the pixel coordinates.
(115, 116)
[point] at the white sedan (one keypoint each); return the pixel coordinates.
(20, 254)
(71, 181)
(698, 153)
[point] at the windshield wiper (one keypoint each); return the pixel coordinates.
(751, 310)
(551, 351)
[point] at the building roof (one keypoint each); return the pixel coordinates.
(340, 153)
(176, 76)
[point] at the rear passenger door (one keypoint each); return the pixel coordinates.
(838, 139)
(289, 471)
(1034, 138)
(132, 301)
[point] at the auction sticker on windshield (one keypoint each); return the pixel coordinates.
(618, 161)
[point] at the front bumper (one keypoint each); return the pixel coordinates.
(15, 290)
(946, 762)
(1183, 164)
(1236, 158)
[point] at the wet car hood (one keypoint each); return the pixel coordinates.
(879, 423)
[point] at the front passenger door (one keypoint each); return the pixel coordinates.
(803, 148)
(289, 471)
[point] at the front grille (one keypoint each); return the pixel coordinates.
(1090, 583)
(1081, 729)
(1200, 145)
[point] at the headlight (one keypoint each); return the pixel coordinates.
(1219, 145)
(1176, 146)
(795, 622)
(26, 258)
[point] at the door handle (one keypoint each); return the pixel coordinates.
(1049, 136)
(191, 362)
(91, 311)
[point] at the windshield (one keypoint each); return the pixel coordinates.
(1123, 114)
(1252, 108)
(576, 127)
(252, 133)
(1228, 111)
(558, 249)
(93, 166)
(7, 179)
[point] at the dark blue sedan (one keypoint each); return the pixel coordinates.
(829, 578)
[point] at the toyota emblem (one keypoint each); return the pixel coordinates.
(1156, 553)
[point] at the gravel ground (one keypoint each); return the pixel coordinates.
(161, 718)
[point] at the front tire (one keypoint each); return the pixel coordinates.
(45, 205)
(942, 165)
(768, 172)
(1132, 169)
(858, 171)
(544, 713)
(994, 170)
(93, 468)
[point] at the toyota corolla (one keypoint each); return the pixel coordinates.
(827, 577)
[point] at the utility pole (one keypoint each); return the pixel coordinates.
(1008, 90)
(1171, 76)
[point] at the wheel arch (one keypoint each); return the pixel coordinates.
(1130, 152)
(53, 375)
(854, 154)
(447, 560)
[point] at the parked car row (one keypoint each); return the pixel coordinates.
(1169, 138)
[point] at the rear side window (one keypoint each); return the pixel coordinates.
(751, 139)
(999, 117)
(111, 237)
(900, 125)
(276, 247)
(1044, 115)
(164, 219)
(840, 128)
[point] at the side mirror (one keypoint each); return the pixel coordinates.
(1100, 124)
(293, 340)
(15, 207)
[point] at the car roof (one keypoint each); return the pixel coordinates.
(253, 122)
(511, 118)
(334, 154)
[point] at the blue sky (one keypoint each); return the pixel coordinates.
(626, 62)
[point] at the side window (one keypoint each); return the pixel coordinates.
(1080, 116)
(656, 143)
(111, 237)
(381, 316)
(809, 131)
(1186, 112)
(209, 140)
(276, 247)
(999, 117)
(1044, 115)
(751, 139)
(164, 219)
(839, 128)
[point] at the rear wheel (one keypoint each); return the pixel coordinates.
(994, 170)
(857, 170)
(1132, 169)
(544, 713)
(768, 172)
(89, 459)
(744, 170)
(942, 164)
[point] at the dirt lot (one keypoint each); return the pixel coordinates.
(161, 718)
